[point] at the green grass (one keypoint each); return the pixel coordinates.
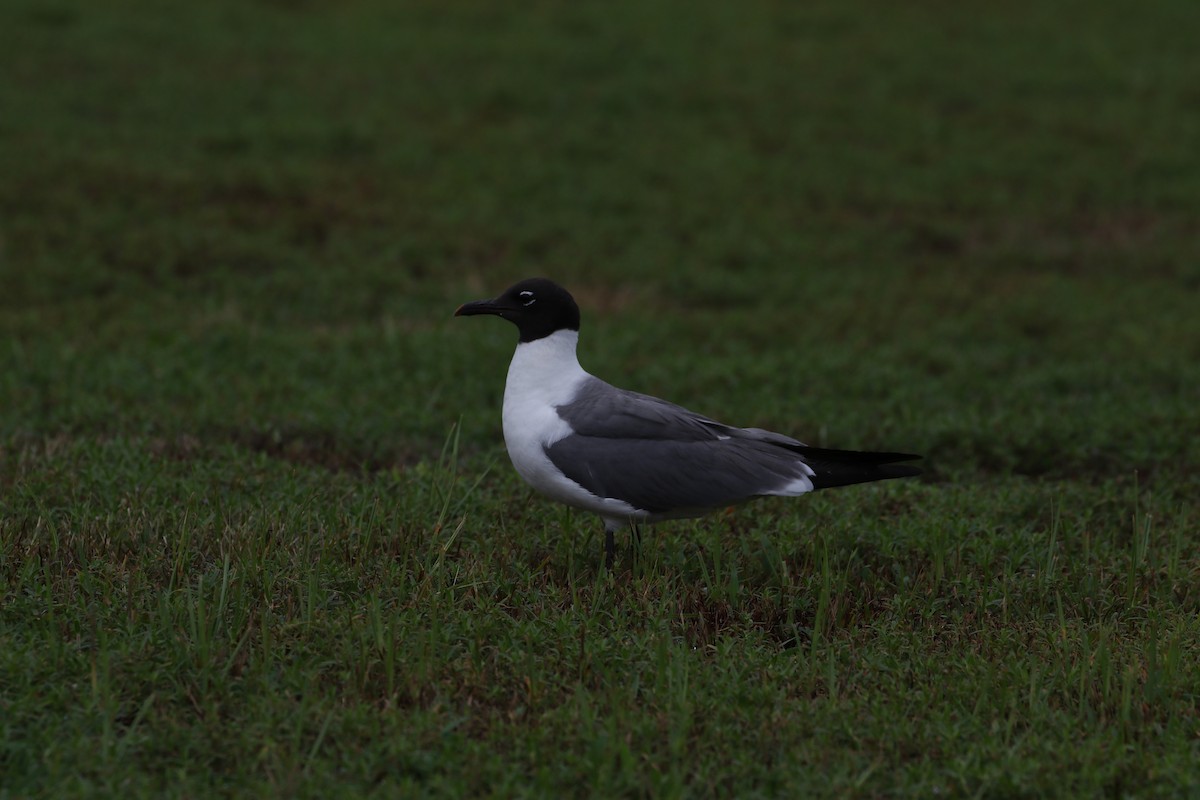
(258, 533)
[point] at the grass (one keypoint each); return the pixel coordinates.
(258, 533)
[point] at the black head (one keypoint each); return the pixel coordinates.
(538, 307)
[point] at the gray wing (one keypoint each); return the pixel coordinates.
(662, 458)
(673, 477)
(604, 411)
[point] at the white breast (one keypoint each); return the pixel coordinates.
(544, 374)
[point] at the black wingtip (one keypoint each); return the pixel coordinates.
(847, 467)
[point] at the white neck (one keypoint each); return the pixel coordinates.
(544, 371)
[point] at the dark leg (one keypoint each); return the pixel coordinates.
(610, 548)
(635, 540)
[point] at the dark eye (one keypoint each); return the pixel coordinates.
(527, 298)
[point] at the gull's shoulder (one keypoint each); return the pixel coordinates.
(599, 409)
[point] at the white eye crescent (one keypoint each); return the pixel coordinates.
(527, 298)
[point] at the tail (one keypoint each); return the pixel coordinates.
(847, 467)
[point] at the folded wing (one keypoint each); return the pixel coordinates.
(665, 459)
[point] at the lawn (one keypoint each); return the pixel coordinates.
(258, 531)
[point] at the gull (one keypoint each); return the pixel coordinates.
(632, 458)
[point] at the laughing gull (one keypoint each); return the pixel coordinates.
(631, 457)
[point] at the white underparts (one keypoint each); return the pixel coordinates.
(795, 487)
(543, 375)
